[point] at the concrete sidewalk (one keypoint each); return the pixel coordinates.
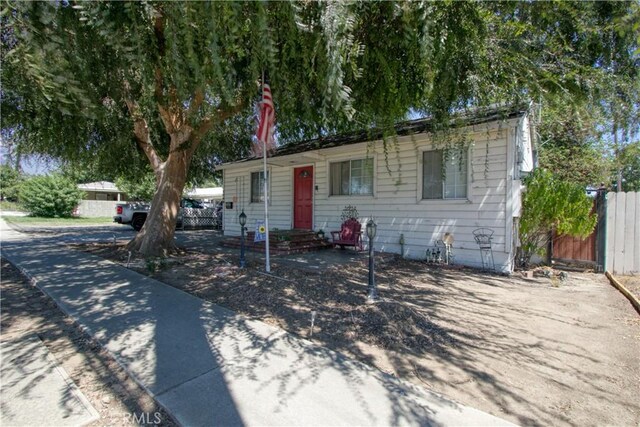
(209, 366)
(36, 390)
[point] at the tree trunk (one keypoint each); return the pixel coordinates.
(157, 235)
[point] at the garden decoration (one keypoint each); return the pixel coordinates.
(483, 237)
(442, 252)
(243, 221)
(372, 228)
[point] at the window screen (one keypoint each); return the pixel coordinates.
(257, 186)
(442, 177)
(351, 177)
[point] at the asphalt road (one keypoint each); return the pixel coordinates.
(200, 239)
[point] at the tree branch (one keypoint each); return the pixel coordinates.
(158, 79)
(206, 125)
(165, 114)
(158, 30)
(143, 136)
(198, 98)
(167, 120)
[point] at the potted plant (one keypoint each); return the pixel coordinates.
(320, 234)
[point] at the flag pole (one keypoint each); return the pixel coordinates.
(266, 202)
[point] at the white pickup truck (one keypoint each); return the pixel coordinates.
(135, 213)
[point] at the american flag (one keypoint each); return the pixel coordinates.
(266, 122)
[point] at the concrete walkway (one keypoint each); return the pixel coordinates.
(36, 390)
(209, 366)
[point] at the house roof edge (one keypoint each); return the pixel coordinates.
(410, 127)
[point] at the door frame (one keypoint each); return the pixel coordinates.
(293, 195)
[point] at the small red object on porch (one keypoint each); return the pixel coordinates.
(350, 234)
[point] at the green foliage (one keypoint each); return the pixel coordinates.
(214, 180)
(10, 180)
(50, 196)
(155, 264)
(141, 188)
(569, 145)
(79, 77)
(349, 212)
(629, 161)
(10, 206)
(585, 165)
(551, 203)
(84, 172)
(329, 68)
(45, 222)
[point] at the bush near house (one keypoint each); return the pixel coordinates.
(50, 196)
(10, 180)
(551, 203)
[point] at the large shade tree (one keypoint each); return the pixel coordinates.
(174, 85)
(572, 145)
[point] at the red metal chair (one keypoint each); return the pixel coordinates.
(350, 234)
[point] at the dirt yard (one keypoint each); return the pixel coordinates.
(539, 351)
(632, 283)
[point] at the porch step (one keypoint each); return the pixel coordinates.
(282, 242)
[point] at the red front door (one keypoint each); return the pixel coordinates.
(303, 198)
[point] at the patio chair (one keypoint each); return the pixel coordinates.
(483, 237)
(350, 234)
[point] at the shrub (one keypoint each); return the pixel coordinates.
(550, 203)
(10, 181)
(50, 196)
(154, 264)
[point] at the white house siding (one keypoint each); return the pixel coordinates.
(237, 189)
(396, 206)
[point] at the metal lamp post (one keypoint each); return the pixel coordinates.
(371, 233)
(243, 221)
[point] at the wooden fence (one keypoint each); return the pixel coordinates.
(568, 248)
(623, 233)
(591, 249)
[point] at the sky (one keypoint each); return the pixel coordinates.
(31, 165)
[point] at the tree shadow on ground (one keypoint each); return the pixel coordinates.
(176, 345)
(446, 329)
(27, 312)
(456, 331)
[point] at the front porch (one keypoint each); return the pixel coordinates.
(281, 242)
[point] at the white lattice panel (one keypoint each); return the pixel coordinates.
(200, 218)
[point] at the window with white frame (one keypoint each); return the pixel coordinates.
(257, 186)
(351, 178)
(444, 174)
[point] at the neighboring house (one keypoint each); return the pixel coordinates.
(100, 199)
(420, 193)
(209, 194)
(102, 190)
